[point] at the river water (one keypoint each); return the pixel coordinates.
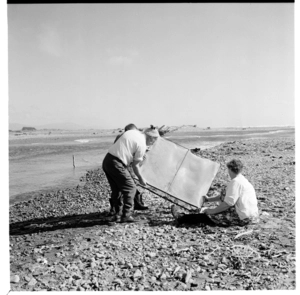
(44, 163)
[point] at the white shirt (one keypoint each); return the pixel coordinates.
(131, 146)
(240, 192)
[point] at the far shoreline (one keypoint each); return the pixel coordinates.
(54, 189)
(19, 134)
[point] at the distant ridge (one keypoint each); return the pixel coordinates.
(66, 125)
(63, 126)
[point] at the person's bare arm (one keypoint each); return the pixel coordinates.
(220, 208)
(136, 170)
(212, 199)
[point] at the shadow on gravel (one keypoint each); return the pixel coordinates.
(55, 223)
(88, 220)
(189, 221)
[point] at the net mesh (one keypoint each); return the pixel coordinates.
(177, 174)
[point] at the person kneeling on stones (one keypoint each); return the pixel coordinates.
(129, 148)
(237, 206)
(138, 198)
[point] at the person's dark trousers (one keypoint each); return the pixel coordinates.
(113, 203)
(195, 219)
(120, 181)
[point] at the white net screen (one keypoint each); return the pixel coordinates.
(175, 170)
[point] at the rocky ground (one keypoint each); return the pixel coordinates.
(62, 240)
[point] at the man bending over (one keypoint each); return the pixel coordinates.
(129, 148)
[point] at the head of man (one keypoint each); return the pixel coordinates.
(151, 135)
(235, 167)
(130, 127)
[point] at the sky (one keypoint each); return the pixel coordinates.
(107, 65)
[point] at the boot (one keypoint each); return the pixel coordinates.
(112, 210)
(138, 202)
(128, 219)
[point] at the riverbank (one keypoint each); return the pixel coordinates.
(62, 241)
(41, 162)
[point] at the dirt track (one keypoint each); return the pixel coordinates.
(62, 241)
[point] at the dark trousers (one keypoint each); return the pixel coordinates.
(226, 218)
(195, 219)
(122, 185)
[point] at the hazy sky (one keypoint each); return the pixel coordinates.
(106, 65)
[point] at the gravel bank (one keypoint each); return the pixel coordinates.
(62, 240)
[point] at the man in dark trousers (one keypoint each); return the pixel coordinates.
(138, 199)
(129, 148)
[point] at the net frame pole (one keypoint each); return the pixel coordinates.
(166, 198)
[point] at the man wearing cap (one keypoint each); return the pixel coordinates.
(129, 148)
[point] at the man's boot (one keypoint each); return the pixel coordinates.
(112, 210)
(138, 202)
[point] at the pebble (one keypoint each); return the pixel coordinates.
(93, 265)
(27, 279)
(151, 254)
(32, 282)
(15, 279)
(118, 281)
(222, 266)
(137, 274)
(187, 276)
(77, 277)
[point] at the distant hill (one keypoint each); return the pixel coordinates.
(66, 125)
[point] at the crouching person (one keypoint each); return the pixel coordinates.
(237, 207)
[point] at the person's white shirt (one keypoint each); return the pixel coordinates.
(241, 194)
(131, 146)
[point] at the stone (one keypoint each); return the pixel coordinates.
(187, 276)
(38, 270)
(60, 268)
(151, 254)
(118, 282)
(153, 279)
(32, 282)
(77, 277)
(93, 265)
(27, 279)
(137, 274)
(15, 279)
